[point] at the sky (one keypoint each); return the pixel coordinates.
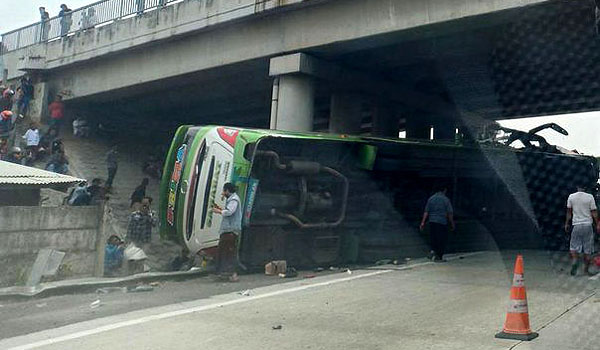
(583, 128)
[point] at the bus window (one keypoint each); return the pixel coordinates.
(205, 208)
(194, 190)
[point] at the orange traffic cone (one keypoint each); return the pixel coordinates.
(516, 325)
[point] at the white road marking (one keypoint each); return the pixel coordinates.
(176, 313)
(180, 312)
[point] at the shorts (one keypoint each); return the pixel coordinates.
(582, 239)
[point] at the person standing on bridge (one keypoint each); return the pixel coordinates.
(439, 212)
(65, 19)
(112, 163)
(231, 227)
(581, 212)
(44, 25)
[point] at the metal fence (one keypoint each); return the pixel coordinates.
(87, 17)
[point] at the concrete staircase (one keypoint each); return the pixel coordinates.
(87, 158)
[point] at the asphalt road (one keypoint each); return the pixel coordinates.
(457, 305)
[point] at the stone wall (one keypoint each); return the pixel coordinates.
(26, 230)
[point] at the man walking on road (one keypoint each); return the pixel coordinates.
(111, 165)
(439, 212)
(231, 227)
(582, 211)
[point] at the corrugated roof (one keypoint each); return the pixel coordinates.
(15, 174)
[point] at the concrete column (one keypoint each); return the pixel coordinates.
(385, 121)
(346, 113)
(292, 108)
(39, 104)
(417, 127)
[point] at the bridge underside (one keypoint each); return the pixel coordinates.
(539, 60)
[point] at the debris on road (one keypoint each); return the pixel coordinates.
(245, 293)
(319, 269)
(95, 304)
(155, 284)
(309, 276)
(289, 273)
(107, 290)
(276, 267)
(383, 262)
(278, 327)
(41, 305)
(140, 288)
(348, 271)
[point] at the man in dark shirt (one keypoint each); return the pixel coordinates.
(111, 165)
(439, 212)
(139, 193)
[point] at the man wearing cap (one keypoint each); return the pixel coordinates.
(581, 212)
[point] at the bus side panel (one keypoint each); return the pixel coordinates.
(167, 230)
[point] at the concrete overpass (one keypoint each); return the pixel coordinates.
(327, 64)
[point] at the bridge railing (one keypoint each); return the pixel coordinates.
(98, 13)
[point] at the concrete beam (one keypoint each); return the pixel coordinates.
(303, 28)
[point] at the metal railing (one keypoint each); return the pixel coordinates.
(87, 17)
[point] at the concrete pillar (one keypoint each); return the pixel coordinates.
(385, 121)
(346, 113)
(417, 127)
(39, 104)
(292, 107)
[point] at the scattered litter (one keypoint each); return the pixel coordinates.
(319, 269)
(245, 293)
(289, 273)
(309, 276)
(195, 268)
(395, 262)
(41, 305)
(383, 262)
(107, 290)
(349, 272)
(154, 284)
(96, 304)
(332, 268)
(278, 327)
(140, 288)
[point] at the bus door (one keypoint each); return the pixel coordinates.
(214, 170)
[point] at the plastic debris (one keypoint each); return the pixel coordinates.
(154, 284)
(278, 327)
(95, 304)
(41, 305)
(245, 293)
(107, 290)
(349, 272)
(140, 288)
(383, 262)
(195, 268)
(319, 269)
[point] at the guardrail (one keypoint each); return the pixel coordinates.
(98, 13)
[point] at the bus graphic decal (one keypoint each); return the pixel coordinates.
(174, 184)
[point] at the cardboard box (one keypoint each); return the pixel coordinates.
(275, 267)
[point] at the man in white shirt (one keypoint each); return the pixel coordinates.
(32, 138)
(582, 211)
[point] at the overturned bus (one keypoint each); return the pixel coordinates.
(313, 198)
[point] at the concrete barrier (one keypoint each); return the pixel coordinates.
(73, 230)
